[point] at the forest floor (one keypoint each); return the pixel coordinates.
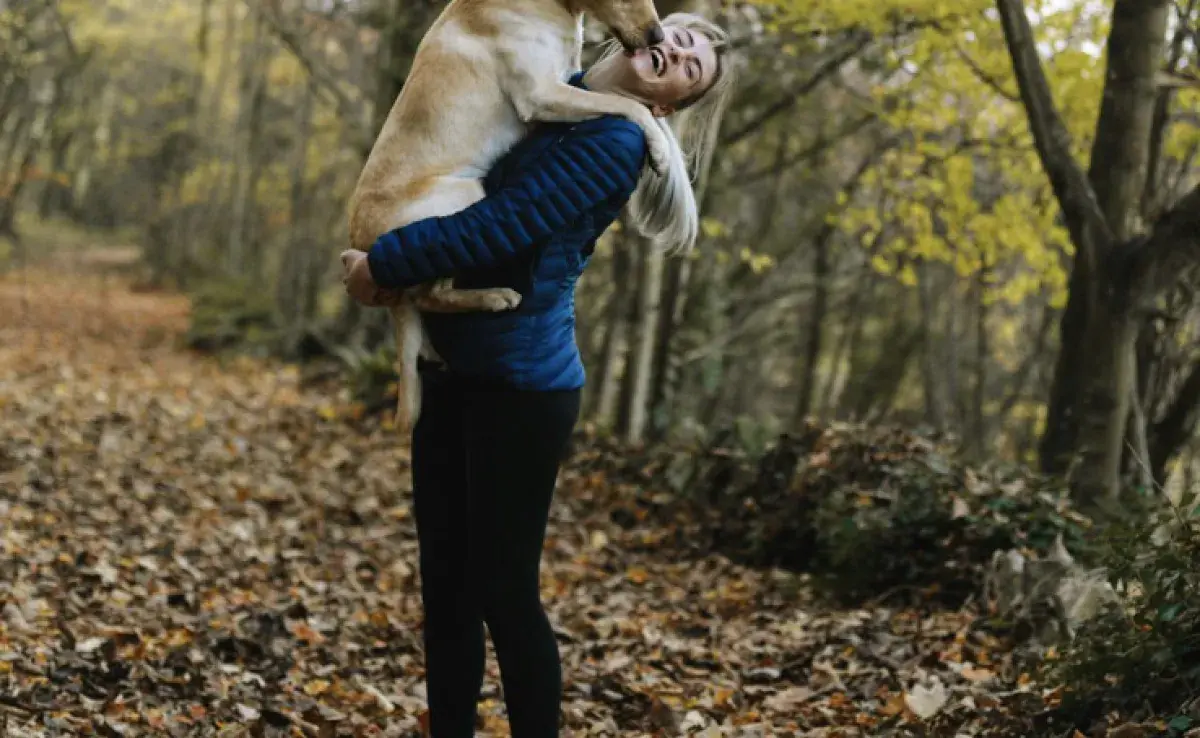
(195, 546)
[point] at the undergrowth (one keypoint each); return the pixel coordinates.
(1144, 660)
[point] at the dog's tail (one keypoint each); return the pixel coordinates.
(409, 337)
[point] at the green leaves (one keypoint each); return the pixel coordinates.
(1180, 723)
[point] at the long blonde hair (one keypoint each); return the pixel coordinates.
(664, 208)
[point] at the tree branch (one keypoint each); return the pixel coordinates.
(1171, 249)
(986, 77)
(808, 153)
(1081, 211)
(826, 70)
(349, 110)
(1162, 114)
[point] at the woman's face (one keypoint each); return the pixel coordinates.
(680, 68)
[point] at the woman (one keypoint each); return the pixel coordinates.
(497, 415)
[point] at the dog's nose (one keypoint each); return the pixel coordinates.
(655, 35)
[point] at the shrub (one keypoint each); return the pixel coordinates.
(1142, 661)
(867, 510)
(896, 511)
(231, 315)
(371, 375)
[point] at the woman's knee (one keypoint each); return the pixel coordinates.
(510, 604)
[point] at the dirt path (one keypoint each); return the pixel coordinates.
(197, 548)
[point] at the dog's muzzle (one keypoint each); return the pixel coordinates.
(652, 35)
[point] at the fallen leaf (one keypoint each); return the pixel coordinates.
(925, 702)
(977, 674)
(90, 645)
(789, 699)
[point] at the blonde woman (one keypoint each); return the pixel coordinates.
(499, 409)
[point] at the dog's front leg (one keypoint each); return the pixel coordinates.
(443, 297)
(553, 101)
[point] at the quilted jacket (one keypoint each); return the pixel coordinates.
(547, 201)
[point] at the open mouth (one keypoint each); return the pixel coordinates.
(630, 48)
(659, 60)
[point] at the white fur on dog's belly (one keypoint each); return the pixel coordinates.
(506, 133)
(448, 196)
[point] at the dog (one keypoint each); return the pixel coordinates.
(484, 71)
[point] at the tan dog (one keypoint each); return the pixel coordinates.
(484, 70)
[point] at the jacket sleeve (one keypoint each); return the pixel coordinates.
(587, 167)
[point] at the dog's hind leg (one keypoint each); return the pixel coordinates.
(444, 196)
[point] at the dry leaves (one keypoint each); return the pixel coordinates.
(201, 548)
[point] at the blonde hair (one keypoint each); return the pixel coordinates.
(664, 208)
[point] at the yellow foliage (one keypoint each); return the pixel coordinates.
(713, 228)
(198, 185)
(966, 188)
(275, 188)
(1183, 139)
(284, 71)
(758, 263)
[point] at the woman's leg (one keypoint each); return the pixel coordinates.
(454, 638)
(515, 441)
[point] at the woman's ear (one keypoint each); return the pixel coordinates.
(661, 111)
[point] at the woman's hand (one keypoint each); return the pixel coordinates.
(360, 285)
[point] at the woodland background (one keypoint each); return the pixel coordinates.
(881, 241)
(976, 221)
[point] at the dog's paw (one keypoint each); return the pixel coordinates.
(501, 299)
(659, 152)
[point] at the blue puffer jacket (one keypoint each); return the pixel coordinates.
(547, 202)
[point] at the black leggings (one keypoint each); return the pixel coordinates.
(485, 462)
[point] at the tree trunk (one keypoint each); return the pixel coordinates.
(106, 103)
(632, 306)
(1057, 444)
(935, 406)
(880, 381)
(56, 196)
(247, 165)
(293, 290)
(949, 339)
(982, 354)
(609, 381)
(649, 294)
(814, 328)
(846, 353)
(675, 284)
(1162, 115)
(1100, 211)
(1120, 162)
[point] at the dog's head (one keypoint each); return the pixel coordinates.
(635, 23)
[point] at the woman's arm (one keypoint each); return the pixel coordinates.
(590, 165)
